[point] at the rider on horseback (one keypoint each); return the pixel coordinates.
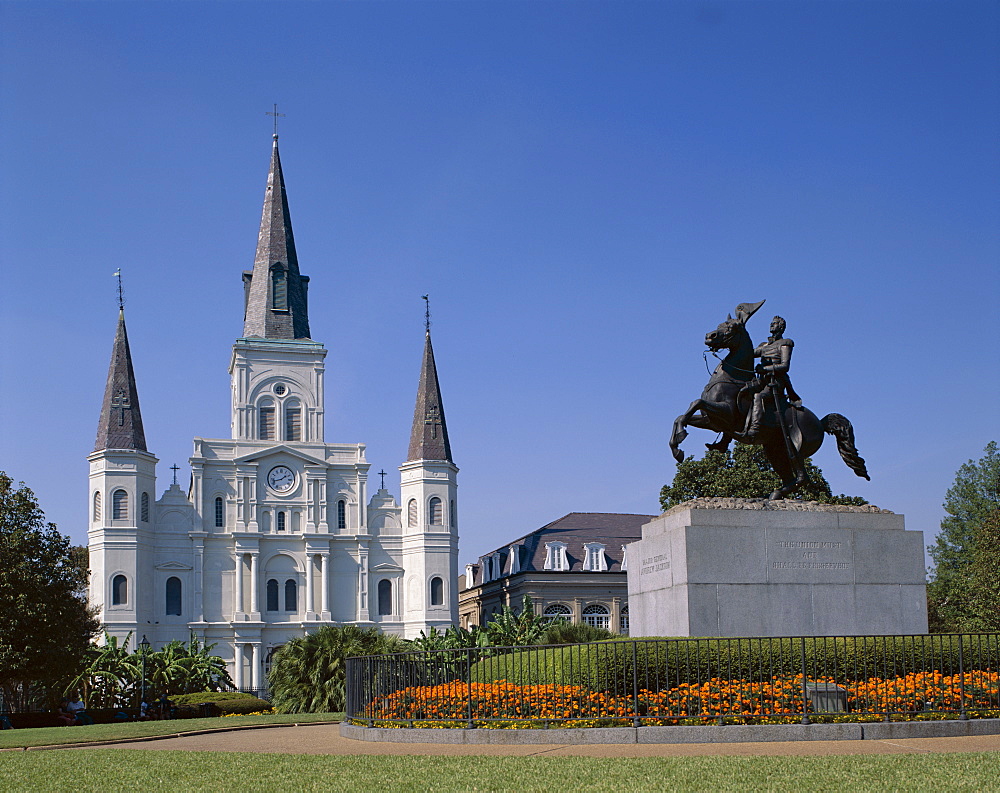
(772, 376)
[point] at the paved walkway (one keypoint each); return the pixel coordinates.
(325, 739)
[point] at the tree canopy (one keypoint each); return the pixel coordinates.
(964, 590)
(742, 473)
(45, 622)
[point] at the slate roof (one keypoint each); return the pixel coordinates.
(120, 424)
(613, 529)
(275, 246)
(429, 436)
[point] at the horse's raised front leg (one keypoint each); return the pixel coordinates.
(712, 414)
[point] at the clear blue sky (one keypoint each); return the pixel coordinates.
(584, 188)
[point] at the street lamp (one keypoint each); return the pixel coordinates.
(144, 644)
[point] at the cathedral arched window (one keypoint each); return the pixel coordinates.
(411, 513)
(437, 591)
(173, 596)
(119, 505)
(291, 595)
(341, 514)
(220, 513)
(281, 521)
(97, 505)
(265, 420)
(384, 597)
(119, 590)
(144, 507)
(272, 594)
(279, 288)
(436, 512)
(293, 422)
(597, 616)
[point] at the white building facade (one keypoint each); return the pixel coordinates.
(277, 534)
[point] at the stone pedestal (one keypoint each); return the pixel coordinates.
(747, 567)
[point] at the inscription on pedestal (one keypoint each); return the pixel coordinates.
(815, 556)
(654, 564)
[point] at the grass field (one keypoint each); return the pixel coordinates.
(122, 769)
(46, 736)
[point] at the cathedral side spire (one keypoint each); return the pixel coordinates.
(120, 425)
(429, 436)
(276, 294)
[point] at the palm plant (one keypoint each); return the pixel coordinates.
(307, 674)
(110, 675)
(512, 628)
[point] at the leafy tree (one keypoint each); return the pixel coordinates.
(964, 552)
(307, 673)
(742, 473)
(45, 622)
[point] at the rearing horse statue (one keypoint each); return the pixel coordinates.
(788, 434)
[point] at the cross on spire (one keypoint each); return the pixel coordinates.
(120, 402)
(276, 115)
(427, 312)
(121, 295)
(382, 474)
(175, 469)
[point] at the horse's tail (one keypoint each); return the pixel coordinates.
(839, 427)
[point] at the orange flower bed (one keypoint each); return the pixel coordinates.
(714, 698)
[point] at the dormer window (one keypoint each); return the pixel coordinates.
(555, 556)
(515, 559)
(624, 558)
(487, 568)
(497, 565)
(594, 559)
(279, 288)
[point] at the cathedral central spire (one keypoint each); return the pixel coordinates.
(275, 292)
(120, 425)
(429, 436)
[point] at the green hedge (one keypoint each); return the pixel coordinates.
(209, 696)
(608, 666)
(223, 703)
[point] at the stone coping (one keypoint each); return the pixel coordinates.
(781, 504)
(730, 733)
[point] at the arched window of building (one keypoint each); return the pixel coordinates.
(119, 505)
(291, 595)
(220, 513)
(437, 518)
(411, 513)
(557, 612)
(384, 597)
(597, 616)
(279, 288)
(119, 590)
(624, 620)
(144, 508)
(341, 514)
(97, 505)
(281, 521)
(265, 420)
(437, 591)
(173, 596)
(272, 594)
(293, 421)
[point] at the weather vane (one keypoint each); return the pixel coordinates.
(121, 294)
(427, 312)
(276, 115)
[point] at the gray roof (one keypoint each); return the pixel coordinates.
(275, 254)
(429, 436)
(120, 425)
(613, 529)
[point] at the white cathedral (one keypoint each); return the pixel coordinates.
(276, 535)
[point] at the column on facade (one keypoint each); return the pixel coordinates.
(310, 566)
(238, 665)
(255, 666)
(254, 605)
(199, 580)
(238, 583)
(325, 593)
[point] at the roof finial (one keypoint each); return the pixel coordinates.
(427, 312)
(382, 474)
(121, 294)
(175, 469)
(276, 115)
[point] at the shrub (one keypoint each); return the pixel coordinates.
(209, 696)
(573, 633)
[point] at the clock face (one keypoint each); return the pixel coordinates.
(281, 478)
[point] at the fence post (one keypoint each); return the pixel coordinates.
(961, 682)
(636, 722)
(468, 688)
(805, 690)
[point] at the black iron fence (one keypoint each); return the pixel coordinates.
(682, 681)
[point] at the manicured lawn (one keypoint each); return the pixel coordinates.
(120, 769)
(45, 736)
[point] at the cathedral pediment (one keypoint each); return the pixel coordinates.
(280, 448)
(387, 567)
(173, 566)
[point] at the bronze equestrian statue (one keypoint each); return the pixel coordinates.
(760, 407)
